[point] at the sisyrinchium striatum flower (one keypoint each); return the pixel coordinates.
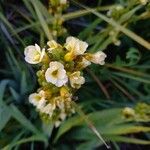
(59, 76)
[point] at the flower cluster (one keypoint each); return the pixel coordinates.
(141, 112)
(60, 75)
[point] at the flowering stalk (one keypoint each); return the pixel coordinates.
(56, 8)
(59, 76)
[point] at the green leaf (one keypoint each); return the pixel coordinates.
(127, 140)
(41, 19)
(119, 27)
(15, 112)
(24, 84)
(123, 129)
(25, 140)
(133, 56)
(104, 117)
(5, 115)
(3, 85)
(15, 95)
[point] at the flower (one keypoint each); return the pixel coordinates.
(34, 54)
(143, 2)
(75, 46)
(48, 109)
(41, 104)
(52, 45)
(37, 99)
(85, 63)
(63, 115)
(64, 92)
(98, 58)
(57, 123)
(76, 80)
(128, 112)
(56, 74)
(63, 2)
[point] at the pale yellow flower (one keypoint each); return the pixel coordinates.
(63, 2)
(143, 2)
(85, 62)
(48, 109)
(128, 112)
(75, 46)
(57, 123)
(41, 104)
(38, 99)
(34, 54)
(63, 115)
(76, 80)
(56, 74)
(98, 58)
(52, 45)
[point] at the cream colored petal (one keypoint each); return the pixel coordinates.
(37, 47)
(61, 82)
(34, 99)
(30, 47)
(41, 104)
(42, 54)
(83, 46)
(49, 77)
(61, 73)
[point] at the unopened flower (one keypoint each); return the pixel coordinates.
(143, 2)
(76, 80)
(37, 98)
(41, 104)
(57, 123)
(56, 74)
(59, 102)
(63, 116)
(34, 54)
(85, 63)
(97, 58)
(75, 46)
(128, 112)
(48, 109)
(52, 45)
(63, 2)
(64, 92)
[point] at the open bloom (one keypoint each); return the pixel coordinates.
(56, 74)
(75, 46)
(38, 99)
(98, 58)
(34, 54)
(76, 80)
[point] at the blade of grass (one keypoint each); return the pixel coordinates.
(126, 31)
(25, 140)
(42, 20)
(131, 77)
(22, 119)
(102, 87)
(90, 124)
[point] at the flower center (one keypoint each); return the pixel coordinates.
(37, 57)
(55, 73)
(38, 97)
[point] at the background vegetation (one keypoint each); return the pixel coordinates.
(121, 28)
